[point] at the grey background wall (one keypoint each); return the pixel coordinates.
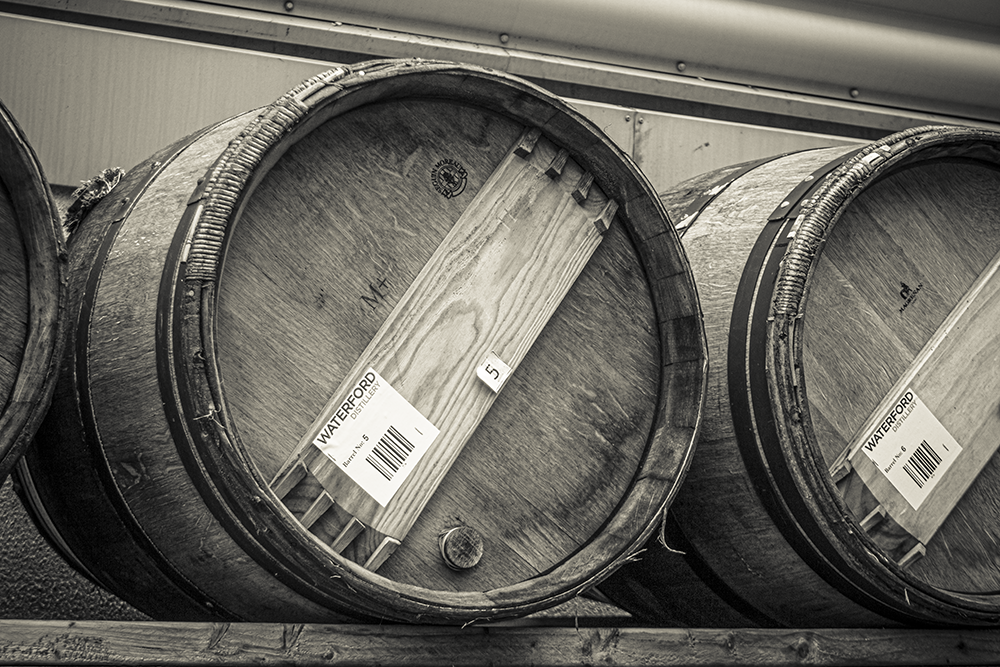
(684, 86)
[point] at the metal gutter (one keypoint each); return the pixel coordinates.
(691, 56)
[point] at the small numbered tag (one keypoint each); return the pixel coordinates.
(911, 448)
(493, 372)
(376, 437)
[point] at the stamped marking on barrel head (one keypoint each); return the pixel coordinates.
(907, 450)
(449, 178)
(377, 293)
(908, 294)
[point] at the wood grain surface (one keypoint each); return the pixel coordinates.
(13, 297)
(945, 377)
(489, 287)
(32, 291)
(762, 520)
(931, 227)
(357, 255)
(137, 471)
(129, 643)
(226, 290)
(718, 508)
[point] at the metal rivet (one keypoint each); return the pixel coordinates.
(855, 92)
(504, 38)
(289, 5)
(628, 119)
(681, 66)
(641, 120)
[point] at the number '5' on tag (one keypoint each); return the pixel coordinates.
(493, 371)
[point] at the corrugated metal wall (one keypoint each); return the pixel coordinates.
(107, 82)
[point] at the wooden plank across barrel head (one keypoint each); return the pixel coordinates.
(448, 232)
(486, 293)
(32, 292)
(852, 295)
(910, 461)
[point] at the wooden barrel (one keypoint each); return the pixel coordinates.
(32, 292)
(845, 473)
(35, 582)
(436, 273)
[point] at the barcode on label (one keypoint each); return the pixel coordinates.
(390, 453)
(922, 464)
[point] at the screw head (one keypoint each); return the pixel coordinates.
(681, 66)
(504, 38)
(289, 5)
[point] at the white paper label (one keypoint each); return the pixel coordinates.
(493, 371)
(376, 437)
(911, 448)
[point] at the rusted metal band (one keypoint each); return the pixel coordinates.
(781, 350)
(823, 209)
(89, 422)
(754, 419)
(226, 180)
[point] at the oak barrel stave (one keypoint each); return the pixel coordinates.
(766, 527)
(208, 344)
(32, 291)
(114, 490)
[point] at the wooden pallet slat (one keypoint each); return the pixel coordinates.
(158, 643)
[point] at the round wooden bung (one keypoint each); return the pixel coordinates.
(306, 338)
(461, 547)
(846, 473)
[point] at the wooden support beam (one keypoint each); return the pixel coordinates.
(157, 643)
